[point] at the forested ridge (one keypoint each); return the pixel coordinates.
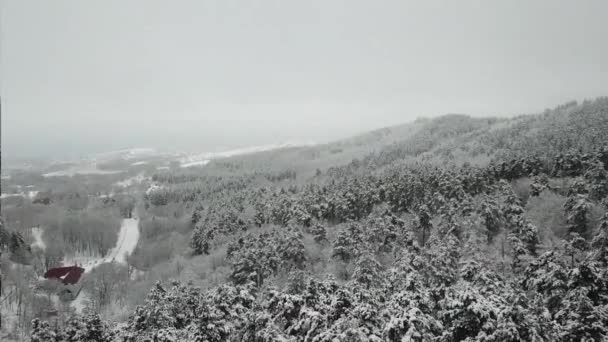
(468, 229)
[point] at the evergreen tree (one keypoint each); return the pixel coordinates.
(367, 270)
(597, 177)
(600, 241)
(197, 214)
(343, 246)
(575, 245)
(577, 208)
(292, 251)
(41, 331)
(319, 233)
(424, 223)
(95, 330)
(524, 239)
(580, 320)
(491, 216)
(539, 184)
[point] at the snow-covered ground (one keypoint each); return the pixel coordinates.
(2, 196)
(108, 195)
(153, 187)
(204, 158)
(196, 163)
(130, 181)
(83, 169)
(130, 153)
(29, 194)
(88, 165)
(127, 241)
(37, 235)
(80, 302)
(125, 245)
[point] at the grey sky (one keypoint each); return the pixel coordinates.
(85, 76)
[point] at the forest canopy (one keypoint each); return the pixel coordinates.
(467, 229)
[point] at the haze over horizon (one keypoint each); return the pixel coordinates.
(83, 77)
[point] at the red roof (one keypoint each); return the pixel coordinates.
(67, 275)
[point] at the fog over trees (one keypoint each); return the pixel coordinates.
(216, 75)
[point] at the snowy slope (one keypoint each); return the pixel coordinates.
(204, 158)
(81, 169)
(131, 153)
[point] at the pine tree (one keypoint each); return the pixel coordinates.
(73, 330)
(548, 275)
(519, 250)
(468, 315)
(41, 331)
(600, 242)
(573, 246)
(200, 241)
(343, 246)
(292, 251)
(539, 184)
(319, 233)
(491, 215)
(424, 223)
(367, 270)
(580, 320)
(578, 187)
(512, 209)
(95, 330)
(597, 177)
(527, 234)
(259, 219)
(577, 208)
(197, 214)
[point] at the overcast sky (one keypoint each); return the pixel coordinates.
(87, 76)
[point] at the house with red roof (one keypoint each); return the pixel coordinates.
(70, 277)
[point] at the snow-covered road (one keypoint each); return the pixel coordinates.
(125, 245)
(127, 241)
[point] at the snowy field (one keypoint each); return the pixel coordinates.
(85, 169)
(29, 194)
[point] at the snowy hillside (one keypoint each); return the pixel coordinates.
(204, 158)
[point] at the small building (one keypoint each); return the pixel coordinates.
(69, 276)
